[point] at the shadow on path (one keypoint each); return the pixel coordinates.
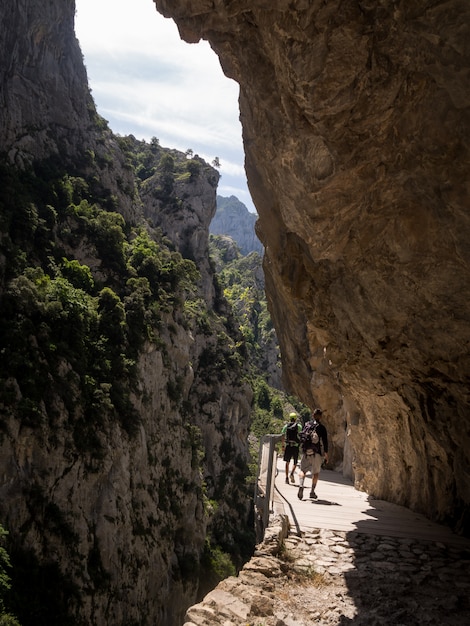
(292, 512)
(327, 502)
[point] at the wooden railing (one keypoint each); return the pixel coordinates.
(264, 487)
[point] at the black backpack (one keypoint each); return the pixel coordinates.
(310, 438)
(292, 433)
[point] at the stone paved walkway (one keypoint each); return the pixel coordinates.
(345, 560)
(365, 579)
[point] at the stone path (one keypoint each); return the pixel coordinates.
(345, 560)
(376, 580)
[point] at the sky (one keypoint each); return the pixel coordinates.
(149, 83)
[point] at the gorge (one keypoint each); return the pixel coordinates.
(124, 404)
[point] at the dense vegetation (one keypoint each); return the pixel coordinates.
(242, 280)
(55, 310)
(82, 291)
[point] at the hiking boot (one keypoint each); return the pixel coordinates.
(300, 493)
(313, 495)
(292, 479)
(287, 481)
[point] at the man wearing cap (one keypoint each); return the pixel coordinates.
(291, 433)
(314, 438)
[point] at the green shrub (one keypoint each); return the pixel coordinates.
(79, 275)
(6, 618)
(215, 566)
(194, 169)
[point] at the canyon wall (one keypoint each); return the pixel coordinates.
(355, 118)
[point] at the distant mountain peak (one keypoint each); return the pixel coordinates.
(232, 218)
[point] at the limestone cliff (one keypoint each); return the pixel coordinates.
(355, 118)
(123, 413)
(50, 57)
(46, 109)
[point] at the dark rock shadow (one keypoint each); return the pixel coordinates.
(407, 582)
(405, 569)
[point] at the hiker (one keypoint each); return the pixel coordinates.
(291, 433)
(313, 438)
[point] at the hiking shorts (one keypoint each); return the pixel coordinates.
(291, 452)
(311, 463)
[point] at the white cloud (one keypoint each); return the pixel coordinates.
(169, 106)
(240, 193)
(148, 82)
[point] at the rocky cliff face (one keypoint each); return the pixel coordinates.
(355, 117)
(116, 487)
(48, 55)
(47, 112)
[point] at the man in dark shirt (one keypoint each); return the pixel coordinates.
(314, 438)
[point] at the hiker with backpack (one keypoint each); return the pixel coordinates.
(314, 441)
(291, 433)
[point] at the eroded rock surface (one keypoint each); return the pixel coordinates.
(355, 119)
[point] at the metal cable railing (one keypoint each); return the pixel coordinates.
(264, 487)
